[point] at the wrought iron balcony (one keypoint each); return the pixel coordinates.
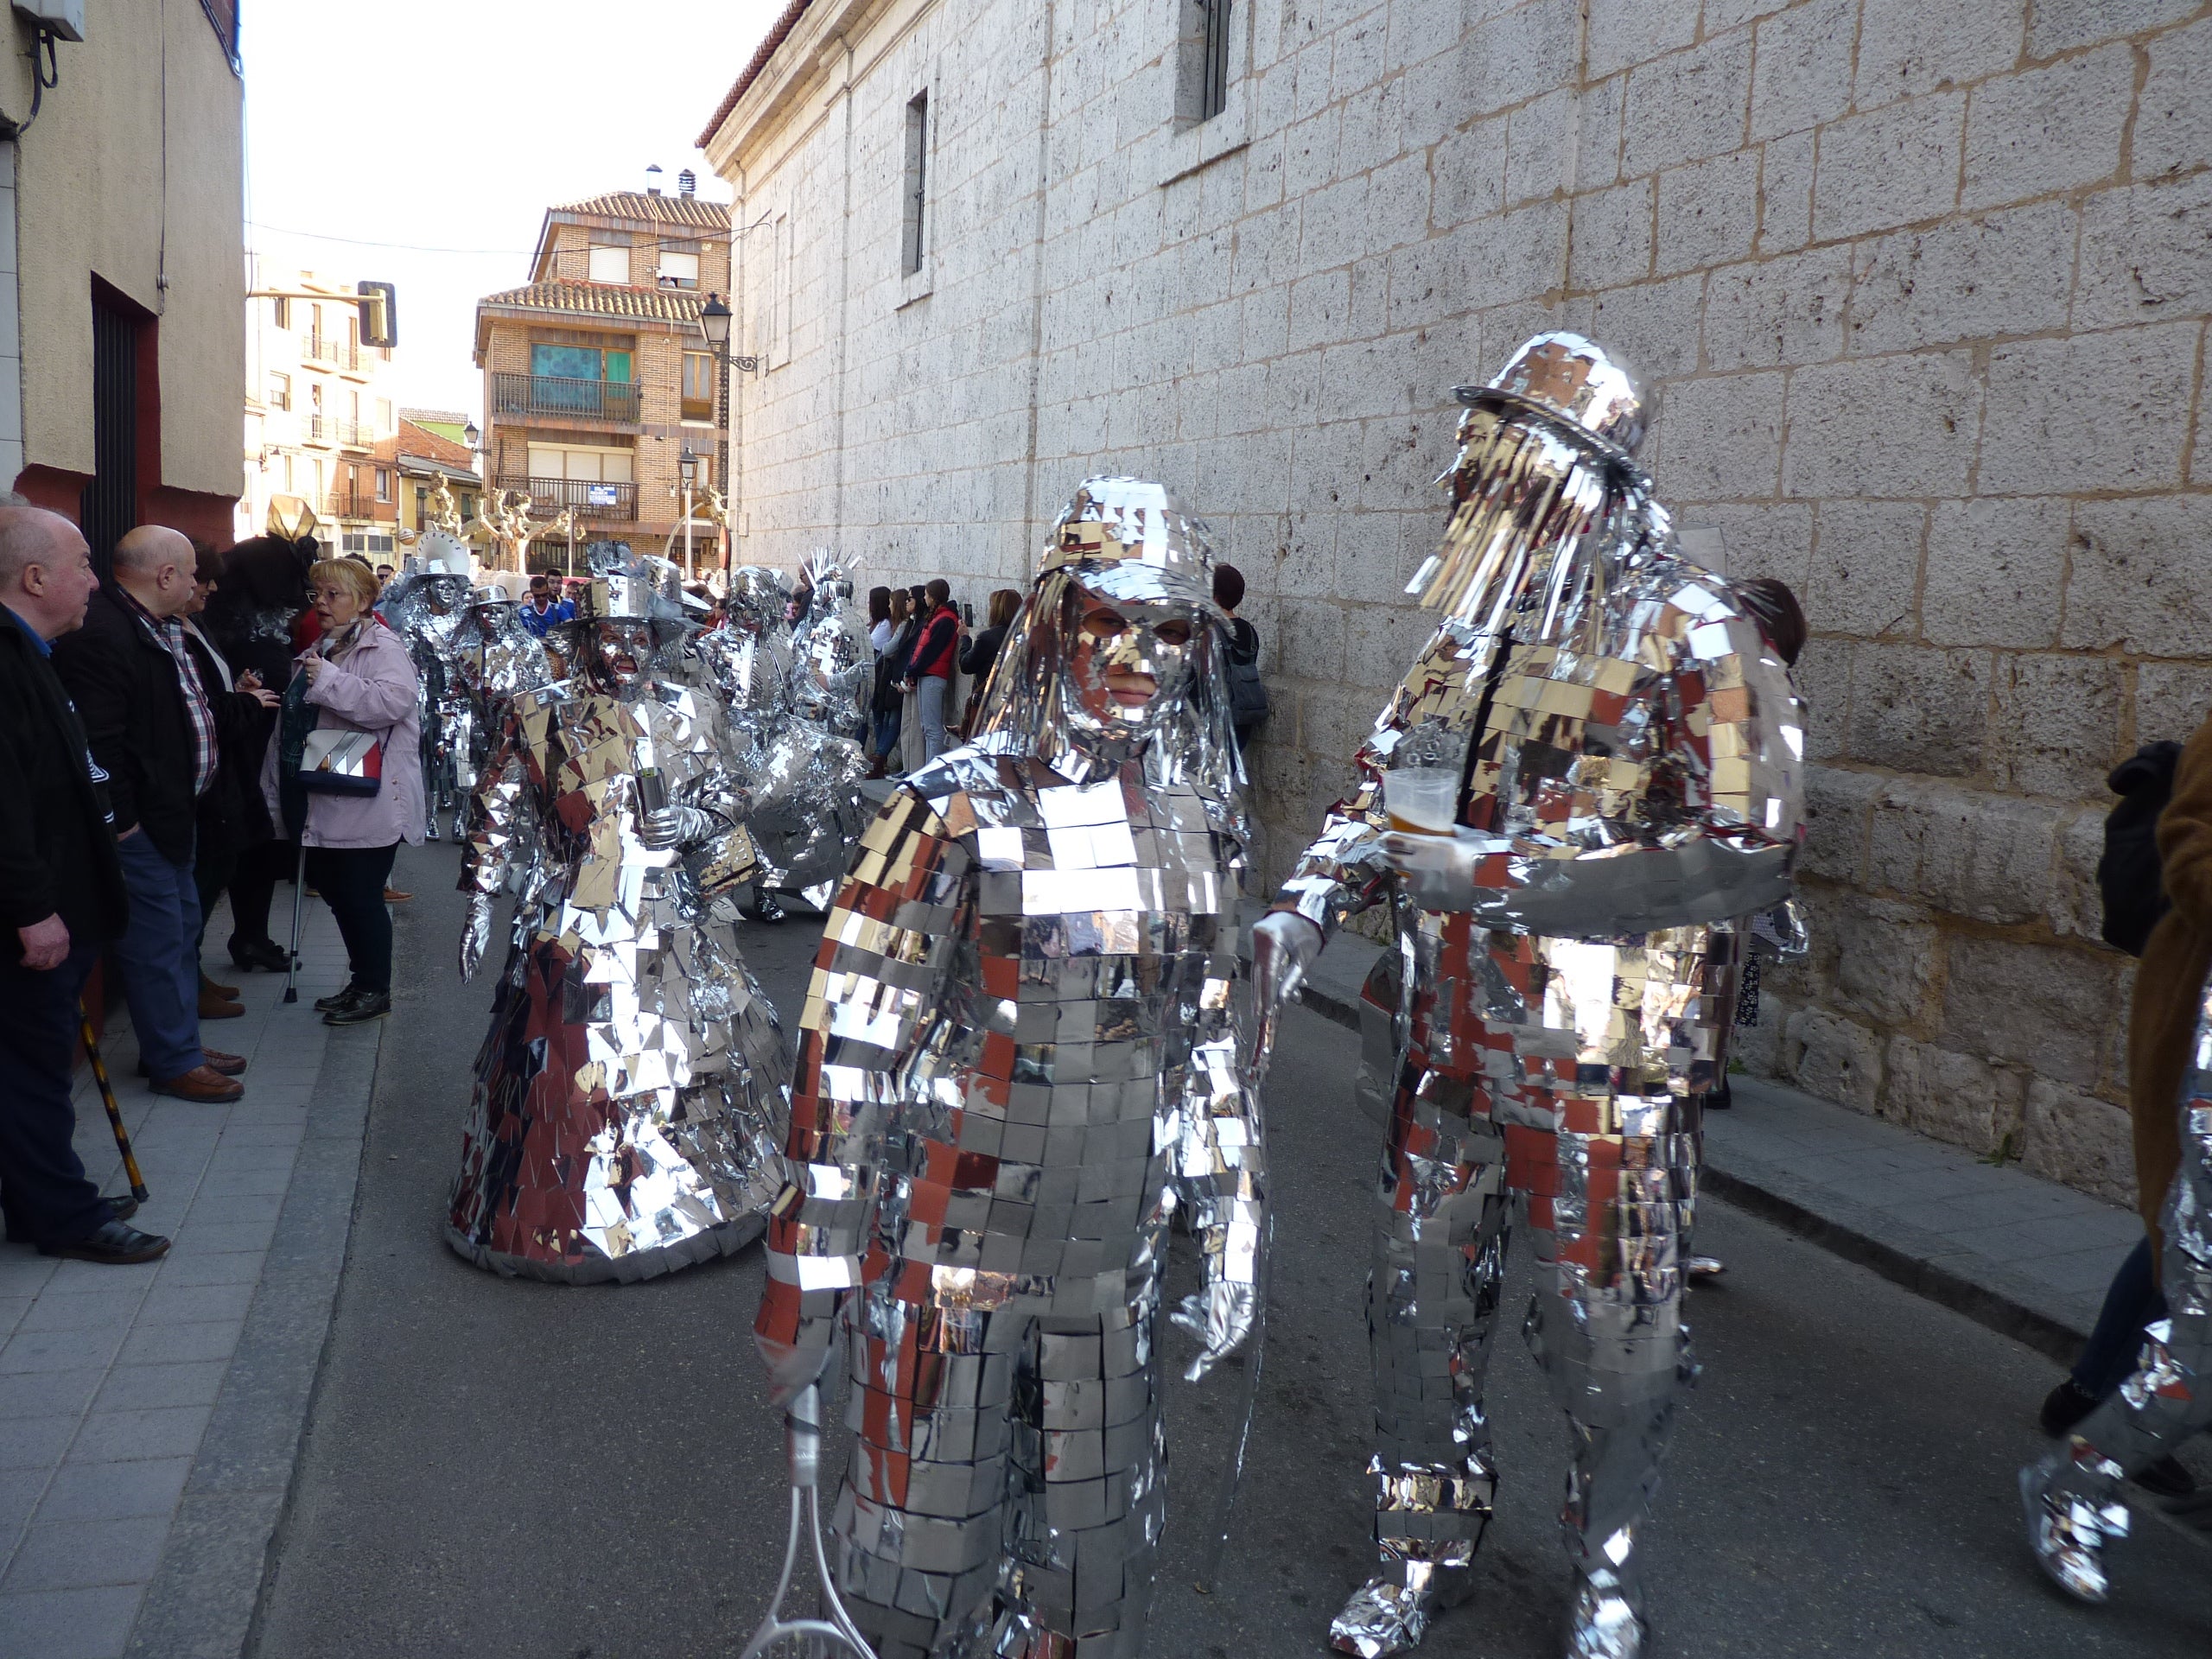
(350, 504)
(338, 428)
(330, 350)
(550, 394)
(590, 499)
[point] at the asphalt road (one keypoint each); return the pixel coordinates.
(495, 1468)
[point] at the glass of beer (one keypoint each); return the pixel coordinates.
(1422, 800)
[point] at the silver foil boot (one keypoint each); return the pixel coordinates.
(2068, 1531)
(1390, 1614)
(1606, 1623)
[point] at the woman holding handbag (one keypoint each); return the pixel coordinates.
(345, 775)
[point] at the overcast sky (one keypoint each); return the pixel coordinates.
(414, 127)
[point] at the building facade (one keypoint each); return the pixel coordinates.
(318, 407)
(122, 268)
(597, 377)
(1922, 286)
(426, 457)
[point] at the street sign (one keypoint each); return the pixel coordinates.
(601, 495)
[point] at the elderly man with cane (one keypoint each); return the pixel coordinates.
(63, 894)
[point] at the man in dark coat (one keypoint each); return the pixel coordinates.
(153, 730)
(62, 895)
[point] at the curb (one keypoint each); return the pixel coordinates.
(1908, 1258)
(207, 1588)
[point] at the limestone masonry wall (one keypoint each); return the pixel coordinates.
(1922, 286)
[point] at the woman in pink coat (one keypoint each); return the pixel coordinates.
(357, 677)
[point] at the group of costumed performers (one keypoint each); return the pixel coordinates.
(1028, 1039)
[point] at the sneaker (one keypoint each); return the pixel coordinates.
(113, 1242)
(360, 1008)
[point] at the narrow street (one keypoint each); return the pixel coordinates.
(497, 1468)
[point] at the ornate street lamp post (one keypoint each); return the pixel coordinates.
(714, 324)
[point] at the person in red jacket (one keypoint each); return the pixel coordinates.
(929, 675)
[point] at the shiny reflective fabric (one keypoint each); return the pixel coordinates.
(1629, 751)
(630, 1094)
(2073, 1497)
(1019, 1052)
(429, 609)
(832, 663)
(802, 777)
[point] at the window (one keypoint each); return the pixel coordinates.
(421, 504)
(223, 17)
(679, 264)
(282, 310)
(314, 395)
(280, 391)
(383, 414)
(353, 337)
(698, 386)
(610, 262)
(354, 407)
(1202, 61)
(917, 147)
(384, 483)
(550, 460)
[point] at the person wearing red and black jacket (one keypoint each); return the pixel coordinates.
(929, 670)
(61, 899)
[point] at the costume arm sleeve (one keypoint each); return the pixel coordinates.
(1342, 873)
(1220, 1162)
(2185, 833)
(497, 809)
(879, 983)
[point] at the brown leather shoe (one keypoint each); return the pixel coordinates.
(212, 1007)
(394, 896)
(230, 992)
(210, 1088)
(229, 1066)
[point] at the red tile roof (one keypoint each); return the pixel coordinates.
(777, 33)
(679, 305)
(650, 209)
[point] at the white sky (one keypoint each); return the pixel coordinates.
(438, 124)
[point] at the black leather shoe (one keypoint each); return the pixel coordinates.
(114, 1241)
(264, 954)
(325, 1004)
(360, 1008)
(122, 1207)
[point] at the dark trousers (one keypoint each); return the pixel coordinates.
(2131, 1302)
(211, 873)
(161, 968)
(351, 881)
(42, 1185)
(253, 884)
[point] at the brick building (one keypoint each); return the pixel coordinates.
(422, 458)
(1922, 286)
(596, 376)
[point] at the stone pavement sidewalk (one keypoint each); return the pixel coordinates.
(149, 1415)
(2024, 1256)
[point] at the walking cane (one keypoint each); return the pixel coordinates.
(299, 894)
(107, 1096)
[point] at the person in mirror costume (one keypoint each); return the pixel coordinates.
(428, 606)
(630, 1094)
(1627, 754)
(1018, 1055)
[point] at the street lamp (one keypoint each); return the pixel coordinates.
(714, 324)
(687, 465)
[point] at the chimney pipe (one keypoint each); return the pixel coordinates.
(652, 179)
(687, 182)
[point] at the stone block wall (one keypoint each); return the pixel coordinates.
(1920, 285)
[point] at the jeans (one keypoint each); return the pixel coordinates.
(43, 1185)
(2131, 1302)
(886, 733)
(929, 697)
(160, 966)
(351, 881)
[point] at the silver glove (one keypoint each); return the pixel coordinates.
(1284, 945)
(475, 934)
(1221, 1317)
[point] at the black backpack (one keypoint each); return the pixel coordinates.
(2128, 874)
(1247, 692)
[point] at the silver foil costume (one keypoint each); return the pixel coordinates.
(802, 777)
(630, 1094)
(1629, 751)
(833, 666)
(2073, 1497)
(1019, 1054)
(429, 609)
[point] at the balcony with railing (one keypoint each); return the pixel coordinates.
(350, 504)
(330, 351)
(555, 395)
(341, 429)
(591, 498)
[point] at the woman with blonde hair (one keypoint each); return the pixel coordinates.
(357, 677)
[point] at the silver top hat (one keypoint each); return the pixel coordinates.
(1567, 378)
(1131, 538)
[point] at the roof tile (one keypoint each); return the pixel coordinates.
(603, 300)
(651, 209)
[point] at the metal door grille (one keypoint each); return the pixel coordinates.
(1213, 88)
(109, 504)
